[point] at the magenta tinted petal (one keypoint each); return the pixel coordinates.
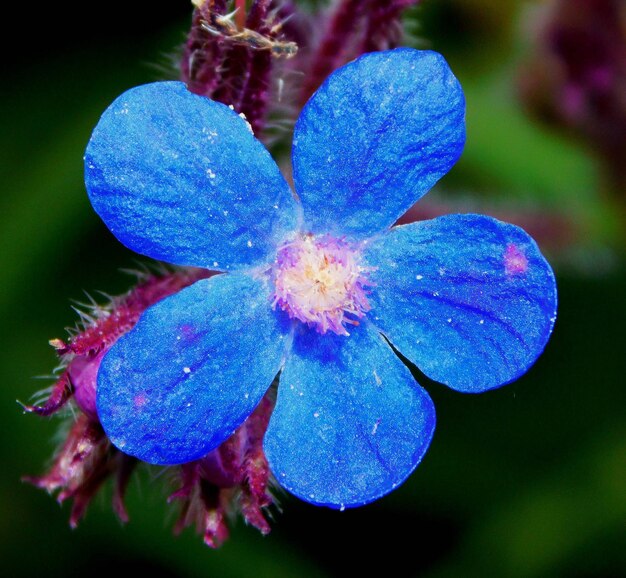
(193, 368)
(375, 137)
(180, 178)
(470, 300)
(350, 423)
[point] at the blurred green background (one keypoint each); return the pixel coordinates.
(525, 481)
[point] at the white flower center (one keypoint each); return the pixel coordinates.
(320, 282)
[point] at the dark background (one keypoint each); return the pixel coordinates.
(525, 481)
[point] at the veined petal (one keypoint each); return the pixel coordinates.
(470, 300)
(193, 368)
(375, 137)
(350, 423)
(180, 178)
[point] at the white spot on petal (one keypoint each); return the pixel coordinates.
(243, 116)
(210, 134)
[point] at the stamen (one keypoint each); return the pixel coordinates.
(320, 282)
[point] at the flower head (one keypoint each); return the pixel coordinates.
(317, 286)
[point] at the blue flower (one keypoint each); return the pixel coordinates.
(317, 286)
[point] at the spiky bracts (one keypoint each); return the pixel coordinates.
(245, 60)
(87, 458)
(232, 480)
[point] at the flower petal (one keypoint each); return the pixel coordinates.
(193, 368)
(377, 135)
(350, 423)
(180, 178)
(468, 299)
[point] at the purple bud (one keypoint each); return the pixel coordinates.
(83, 371)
